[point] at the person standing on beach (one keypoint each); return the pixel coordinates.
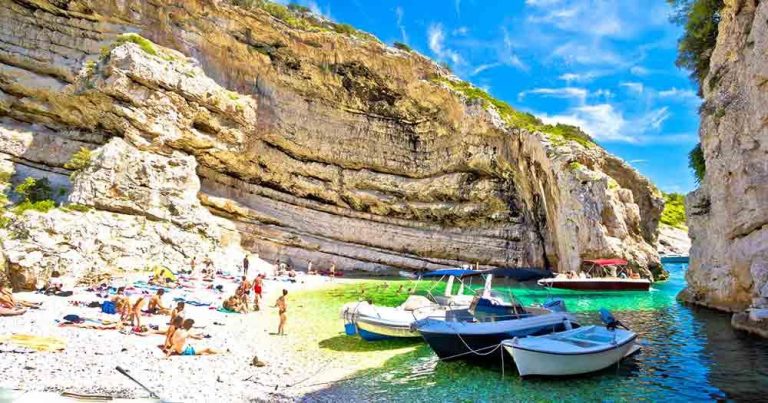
(333, 270)
(282, 307)
(243, 291)
(257, 289)
(245, 265)
(192, 265)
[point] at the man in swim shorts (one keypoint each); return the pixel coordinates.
(179, 344)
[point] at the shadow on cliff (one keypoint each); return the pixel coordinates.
(356, 344)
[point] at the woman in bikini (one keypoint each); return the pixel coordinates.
(282, 307)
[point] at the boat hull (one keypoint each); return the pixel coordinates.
(597, 284)
(531, 362)
(475, 342)
(371, 329)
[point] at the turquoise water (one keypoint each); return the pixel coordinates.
(688, 354)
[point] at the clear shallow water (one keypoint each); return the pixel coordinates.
(688, 354)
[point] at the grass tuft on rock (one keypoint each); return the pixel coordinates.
(515, 118)
(42, 206)
(145, 44)
(79, 160)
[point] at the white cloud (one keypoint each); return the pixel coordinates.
(637, 88)
(639, 71)
(605, 123)
(507, 53)
(604, 93)
(586, 54)
(637, 161)
(436, 41)
(566, 92)
(399, 15)
(541, 3)
(678, 93)
(457, 6)
(483, 67)
(460, 31)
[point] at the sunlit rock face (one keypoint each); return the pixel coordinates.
(303, 145)
(728, 214)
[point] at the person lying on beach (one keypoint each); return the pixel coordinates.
(180, 345)
(7, 300)
(282, 307)
(178, 310)
(156, 304)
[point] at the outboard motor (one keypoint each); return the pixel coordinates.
(611, 323)
(555, 305)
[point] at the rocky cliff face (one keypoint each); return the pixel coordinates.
(728, 214)
(303, 143)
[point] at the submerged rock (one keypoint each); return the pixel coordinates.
(316, 146)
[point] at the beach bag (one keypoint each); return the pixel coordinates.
(108, 307)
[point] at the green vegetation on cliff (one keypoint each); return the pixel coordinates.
(36, 195)
(300, 17)
(79, 160)
(511, 116)
(674, 210)
(696, 163)
(700, 19)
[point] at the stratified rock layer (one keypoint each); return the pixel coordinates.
(728, 214)
(317, 145)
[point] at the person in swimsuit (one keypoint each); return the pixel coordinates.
(178, 310)
(156, 304)
(179, 344)
(244, 291)
(282, 307)
(245, 265)
(122, 304)
(257, 289)
(176, 323)
(136, 311)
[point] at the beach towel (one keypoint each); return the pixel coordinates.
(38, 343)
(225, 310)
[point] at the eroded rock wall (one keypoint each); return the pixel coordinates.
(315, 145)
(728, 214)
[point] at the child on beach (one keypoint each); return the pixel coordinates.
(282, 307)
(136, 312)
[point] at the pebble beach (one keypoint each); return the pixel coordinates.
(306, 359)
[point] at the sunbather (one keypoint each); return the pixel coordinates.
(180, 345)
(243, 292)
(234, 304)
(7, 300)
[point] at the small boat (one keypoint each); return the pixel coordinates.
(373, 322)
(674, 259)
(599, 275)
(476, 333)
(571, 352)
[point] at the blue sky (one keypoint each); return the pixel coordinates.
(606, 66)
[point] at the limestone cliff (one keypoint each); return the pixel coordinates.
(728, 214)
(313, 144)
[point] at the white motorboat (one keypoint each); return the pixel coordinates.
(373, 322)
(571, 352)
